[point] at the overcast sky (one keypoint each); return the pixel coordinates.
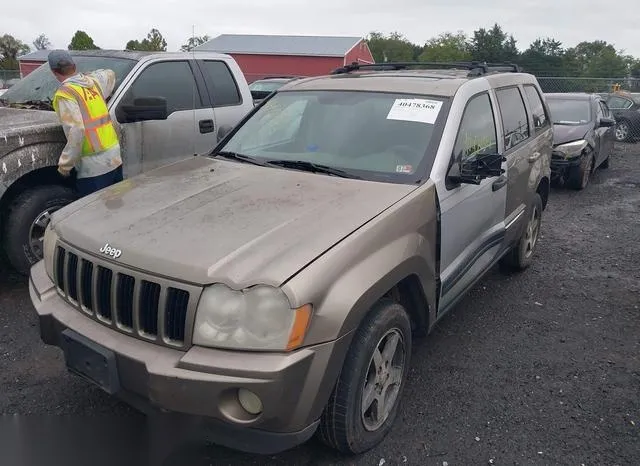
(112, 23)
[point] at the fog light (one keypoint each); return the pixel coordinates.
(249, 401)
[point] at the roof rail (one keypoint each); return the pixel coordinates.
(475, 68)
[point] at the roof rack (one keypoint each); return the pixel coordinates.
(475, 68)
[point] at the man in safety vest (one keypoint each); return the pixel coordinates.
(92, 146)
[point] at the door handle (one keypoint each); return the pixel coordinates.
(533, 157)
(499, 183)
(206, 126)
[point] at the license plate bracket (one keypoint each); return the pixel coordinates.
(91, 361)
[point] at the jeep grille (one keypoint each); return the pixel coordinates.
(146, 307)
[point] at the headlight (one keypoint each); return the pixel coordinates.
(572, 148)
(48, 249)
(258, 318)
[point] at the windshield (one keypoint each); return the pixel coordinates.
(40, 85)
(570, 111)
(370, 135)
(268, 86)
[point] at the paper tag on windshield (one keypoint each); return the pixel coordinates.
(419, 110)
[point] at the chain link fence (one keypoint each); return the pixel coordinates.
(596, 85)
(7, 77)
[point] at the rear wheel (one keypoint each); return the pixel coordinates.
(521, 256)
(622, 131)
(26, 220)
(364, 403)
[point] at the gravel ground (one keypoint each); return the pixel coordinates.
(540, 368)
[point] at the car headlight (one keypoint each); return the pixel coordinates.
(571, 149)
(48, 249)
(257, 318)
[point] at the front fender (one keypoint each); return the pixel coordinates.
(27, 159)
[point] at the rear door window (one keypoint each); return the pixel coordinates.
(221, 83)
(540, 119)
(514, 117)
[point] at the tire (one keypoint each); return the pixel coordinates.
(579, 176)
(605, 163)
(23, 211)
(622, 131)
(521, 255)
(343, 426)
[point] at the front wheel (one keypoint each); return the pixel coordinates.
(364, 403)
(521, 256)
(27, 218)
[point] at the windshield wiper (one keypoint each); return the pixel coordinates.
(312, 167)
(240, 157)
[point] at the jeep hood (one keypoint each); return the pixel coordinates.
(568, 133)
(205, 220)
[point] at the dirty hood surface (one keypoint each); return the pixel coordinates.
(567, 133)
(19, 127)
(205, 220)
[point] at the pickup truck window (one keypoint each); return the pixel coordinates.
(225, 90)
(40, 85)
(172, 80)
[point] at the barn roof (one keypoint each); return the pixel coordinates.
(38, 55)
(321, 46)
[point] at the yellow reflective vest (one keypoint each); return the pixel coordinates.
(99, 132)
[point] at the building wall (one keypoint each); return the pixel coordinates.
(257, 67)
(27, 66)
(360, 53)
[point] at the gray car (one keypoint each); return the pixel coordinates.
(583, 137)
(272, 290)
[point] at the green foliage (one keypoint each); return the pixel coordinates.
(82, 41)
(10, 49)
(194, 42)
(392, 48)
(154, 42)
(446, 47)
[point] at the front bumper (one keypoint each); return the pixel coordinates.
(201, 383)
(561, 165)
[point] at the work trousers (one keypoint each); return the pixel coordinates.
(85, 186)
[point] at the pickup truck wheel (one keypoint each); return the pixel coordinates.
(521, 256)
(364, 403)
(27, 218)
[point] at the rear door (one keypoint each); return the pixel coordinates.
(224, 93)
(159, 142)
(521, 153)
(472, 216)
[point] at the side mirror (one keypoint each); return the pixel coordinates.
(606, 122)
(223, 131)
(144, 109)
(476, 168)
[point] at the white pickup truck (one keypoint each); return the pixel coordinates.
(166, 106)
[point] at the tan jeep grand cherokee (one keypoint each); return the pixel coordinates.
(272, 288)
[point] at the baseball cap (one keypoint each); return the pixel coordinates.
(59, 59)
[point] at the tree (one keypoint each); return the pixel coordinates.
(42, 42)
(546, 57)
(446, 47)
(392, 48)
(10, 49)
(598, 59)
(493, 45)
(154, 42)
(82, 41)
(193, 42)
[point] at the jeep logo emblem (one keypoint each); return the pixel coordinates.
(110, 251)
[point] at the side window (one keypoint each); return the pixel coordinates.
(619, 103)
(477, 133)
(605, 110)
(219, 76)
(514, 117)
(540, 120)
(172, 80)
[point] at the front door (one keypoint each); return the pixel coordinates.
(605, 133)
(151, 144)
(520, 157)
(472, 216)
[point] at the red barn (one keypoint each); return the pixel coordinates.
(31, 61)
(260, 56)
